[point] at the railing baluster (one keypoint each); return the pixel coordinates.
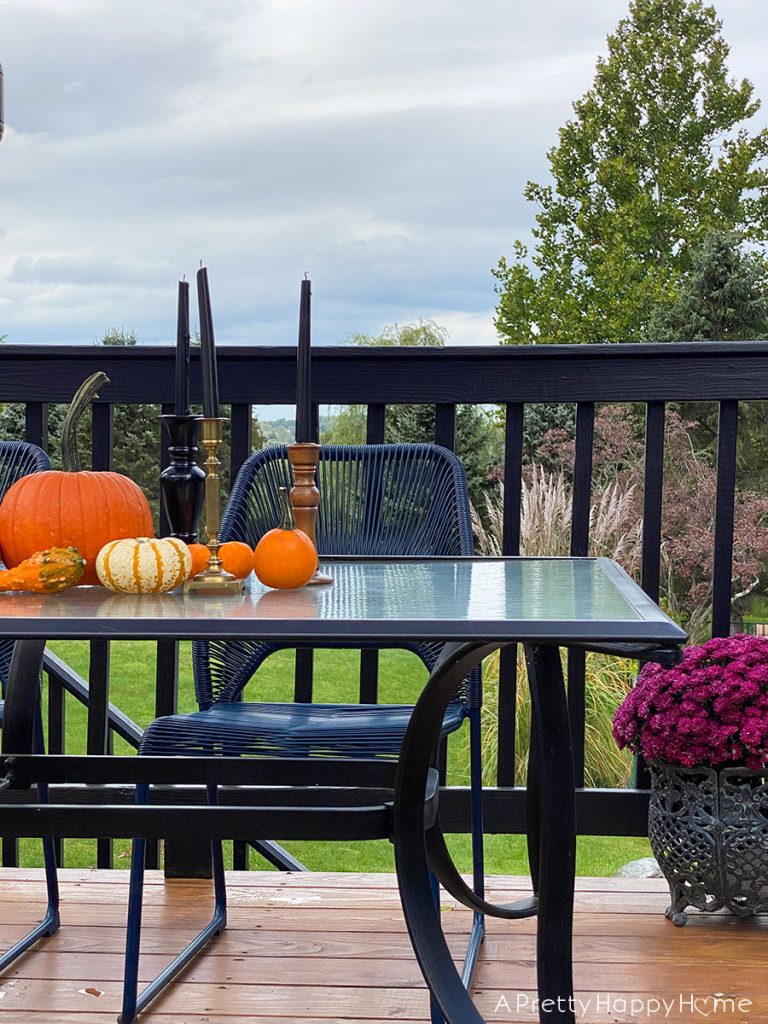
(375, 424)
(164, 461)
(242, 433)
(652, 497)
(510, 545)
(166, 678)
(101, 436)
(98, 723)
(36, 424)
(10, 848)
(241, 447)
(98, 669)
(369, 676)
(302, 693)
(582, 495)
(722, 563)
(513, 477)
(56, 736)
(56, 716)
(445, 425)
(653, 493)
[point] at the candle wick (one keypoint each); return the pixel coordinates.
(306, 275)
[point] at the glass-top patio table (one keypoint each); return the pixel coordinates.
(475, 606)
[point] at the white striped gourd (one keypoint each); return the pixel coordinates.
(143, 565)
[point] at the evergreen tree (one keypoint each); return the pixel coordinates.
(656, 156)
(724, 297)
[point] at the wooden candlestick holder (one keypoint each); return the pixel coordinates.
(305, 497)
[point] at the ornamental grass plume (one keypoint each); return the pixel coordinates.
(710, 710)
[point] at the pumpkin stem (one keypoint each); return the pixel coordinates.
(287, 521)
(70, 457)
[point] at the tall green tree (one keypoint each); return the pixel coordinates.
(478, 437)
(656, 155)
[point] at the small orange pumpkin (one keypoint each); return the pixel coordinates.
(72, 508)
(200, 554)
(237, 558)
(285, 558)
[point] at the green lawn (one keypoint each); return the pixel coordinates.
(336, 679)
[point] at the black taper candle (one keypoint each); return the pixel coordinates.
(181, 384)
(304, 367)
(207, 347)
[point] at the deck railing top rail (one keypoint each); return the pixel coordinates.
(691, 371)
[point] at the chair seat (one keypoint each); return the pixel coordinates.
(289, 730)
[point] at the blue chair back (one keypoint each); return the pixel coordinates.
(17, 459)
(387, 500)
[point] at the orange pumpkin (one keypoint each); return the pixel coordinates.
(70, 507)
(200, 555)
(285, 558)
(237, 558)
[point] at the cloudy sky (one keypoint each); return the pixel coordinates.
(380, 145)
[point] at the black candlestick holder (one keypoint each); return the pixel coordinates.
(182, 484)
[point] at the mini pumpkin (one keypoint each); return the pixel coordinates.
(45, 572)
(70, 507)
(237, 558)
(200, 554)
(285, 558)
(144, 565)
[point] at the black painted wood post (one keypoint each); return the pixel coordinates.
(510, 545)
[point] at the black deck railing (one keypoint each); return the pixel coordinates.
(651, 375)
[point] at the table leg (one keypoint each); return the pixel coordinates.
(557, 827)
(551, 809)
(416, 757)
(533, 807)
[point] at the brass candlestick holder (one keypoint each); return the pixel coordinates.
(305, 497)
(214, 579)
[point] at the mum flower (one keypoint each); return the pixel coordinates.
(710, 710)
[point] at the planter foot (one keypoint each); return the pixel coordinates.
(678, 917)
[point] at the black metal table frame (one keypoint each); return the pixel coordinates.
(398, 807)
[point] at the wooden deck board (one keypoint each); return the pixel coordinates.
(319, 948)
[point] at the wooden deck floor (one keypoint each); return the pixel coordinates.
(318, 948)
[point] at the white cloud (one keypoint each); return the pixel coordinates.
(469, 328)
(381, 146)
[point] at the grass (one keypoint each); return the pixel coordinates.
(335, 680)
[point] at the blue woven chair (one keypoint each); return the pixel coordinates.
(386, 500)
(19, 459)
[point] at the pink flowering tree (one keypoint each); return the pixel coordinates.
(690, 486)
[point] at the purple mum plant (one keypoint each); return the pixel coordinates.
(710, 710)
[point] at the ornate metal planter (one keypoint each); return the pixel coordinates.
(709, 832)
